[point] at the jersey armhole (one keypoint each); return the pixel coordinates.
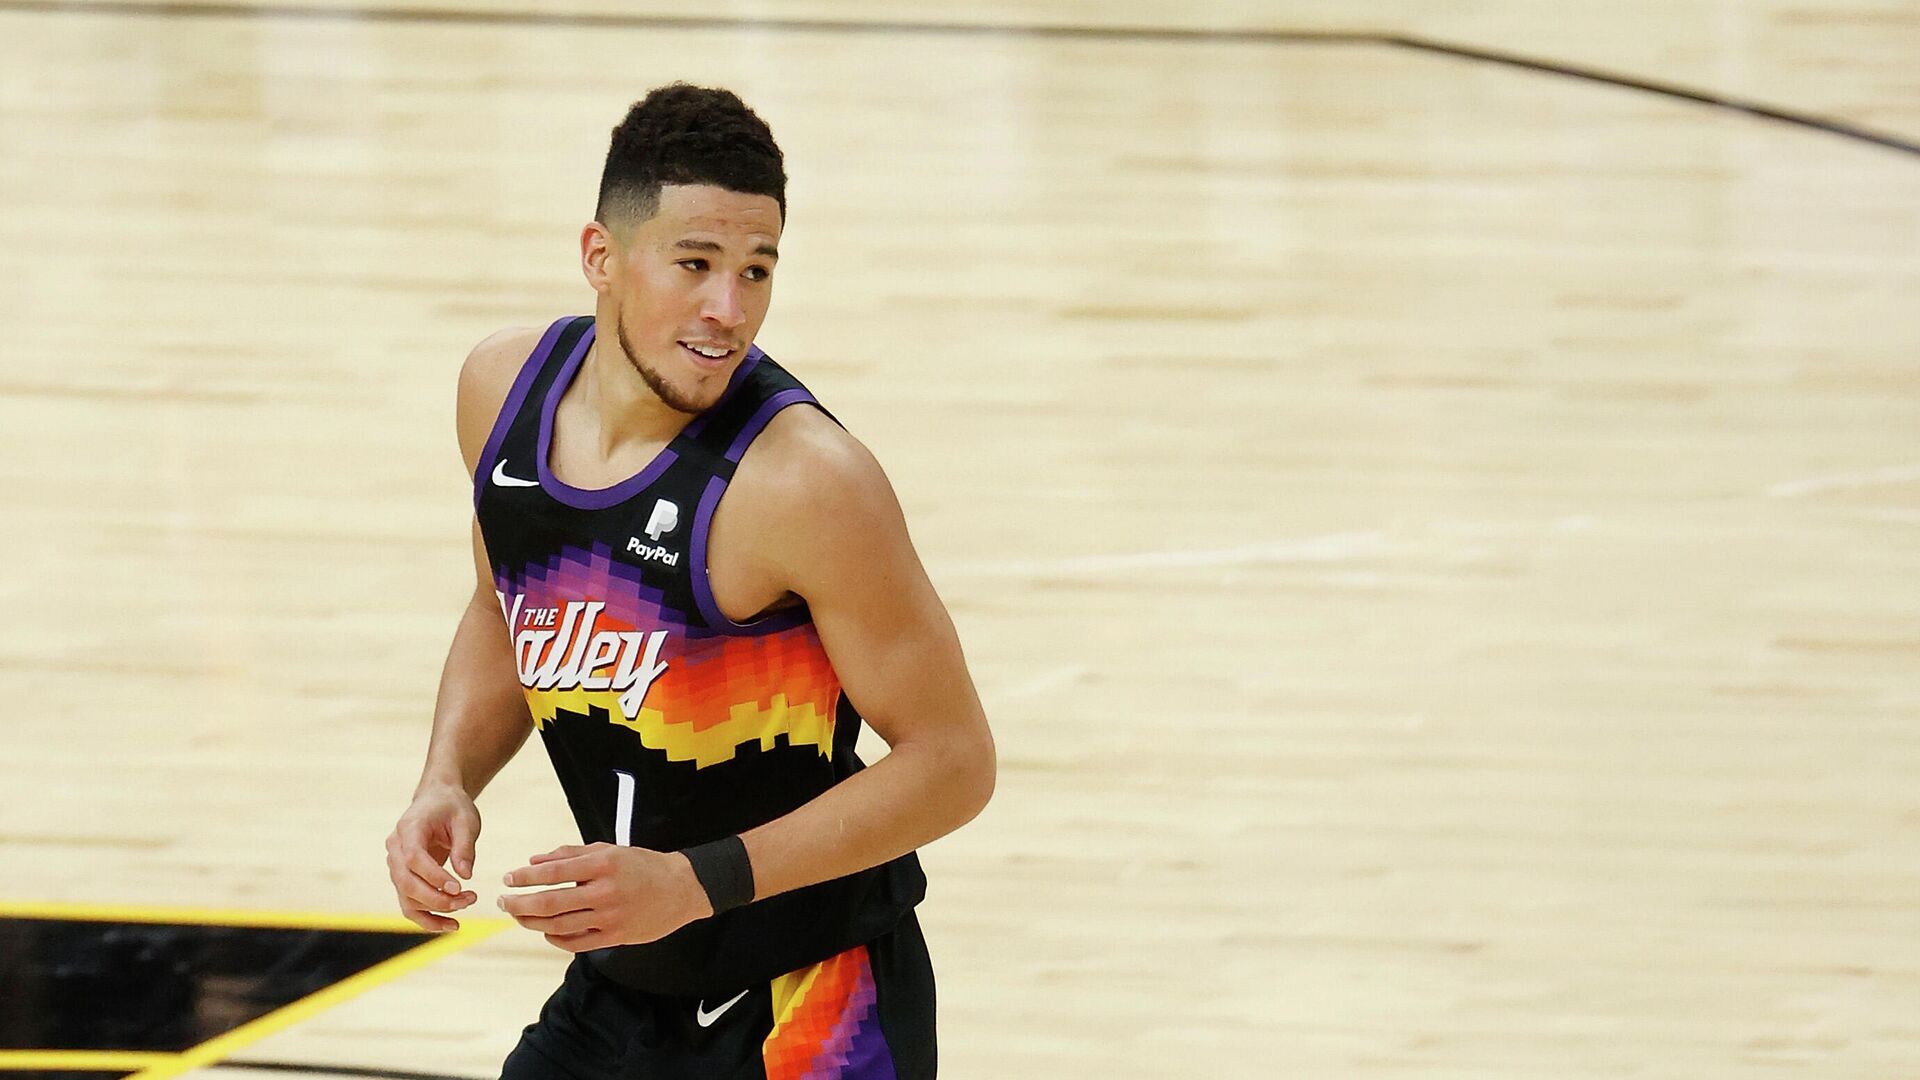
(510, 408)
(703, 525)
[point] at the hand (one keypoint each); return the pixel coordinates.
(622, 896)
(442, 823)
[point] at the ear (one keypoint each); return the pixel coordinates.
(596, 252)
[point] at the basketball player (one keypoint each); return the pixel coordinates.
(696, 585)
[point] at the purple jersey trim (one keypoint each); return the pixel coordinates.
(510, 408)
(602, 498)
(764, 416)
(560, 490)
(703, 523)
(752, 360)
(703, 589)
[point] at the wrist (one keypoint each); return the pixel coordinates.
(722, 874)
(696, 896)
(434, 783)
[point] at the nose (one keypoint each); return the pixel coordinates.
(721, 305)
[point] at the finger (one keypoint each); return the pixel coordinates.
(574, 922)
(559, 872)
(431, 923)
(438, 924)
(425, 897)
(429, 870)
(566, 852)
(439, 901)
(547, 903)
(465, 831)
(576, 943)
(426, 891)
(422, 893)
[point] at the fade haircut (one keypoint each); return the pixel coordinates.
(682, 134)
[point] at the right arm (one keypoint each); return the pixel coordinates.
(480, 716)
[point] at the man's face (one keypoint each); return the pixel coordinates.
(694, 278)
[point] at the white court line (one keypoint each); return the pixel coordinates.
(1327, 548)
(1893, 474)
(1332, 547)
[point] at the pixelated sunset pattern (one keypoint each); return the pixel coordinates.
(825, 1024)
(716, 692)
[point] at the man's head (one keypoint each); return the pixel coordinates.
(684, 134)
(692, 202)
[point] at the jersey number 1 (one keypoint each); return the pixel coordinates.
(623, 808)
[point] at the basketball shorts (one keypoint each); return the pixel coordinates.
(865, 1014)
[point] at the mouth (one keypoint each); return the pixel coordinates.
(708, 354)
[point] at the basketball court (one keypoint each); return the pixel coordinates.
(1431, 500)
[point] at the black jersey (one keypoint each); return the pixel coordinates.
(668, 723)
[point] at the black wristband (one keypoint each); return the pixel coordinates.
(724, 872)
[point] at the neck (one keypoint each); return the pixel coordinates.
(626, 410)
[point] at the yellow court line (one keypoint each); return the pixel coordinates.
(80, 1060)
(471, 932)
(292, 920)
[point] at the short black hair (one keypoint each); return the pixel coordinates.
(683, 134)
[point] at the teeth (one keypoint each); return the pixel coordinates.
(711, 352)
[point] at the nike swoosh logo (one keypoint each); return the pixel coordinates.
(500, 477)
(706, 1018)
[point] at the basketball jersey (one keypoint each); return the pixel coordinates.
(668, 723)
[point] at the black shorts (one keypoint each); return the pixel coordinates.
(865, 1014)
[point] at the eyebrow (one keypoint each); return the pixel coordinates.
(708, 245)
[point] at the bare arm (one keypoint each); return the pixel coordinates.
(894, 647)
(480, 717)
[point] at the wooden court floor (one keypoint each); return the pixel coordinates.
(1439, 541)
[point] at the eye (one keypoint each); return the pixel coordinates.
(758, 273)
(695, 265)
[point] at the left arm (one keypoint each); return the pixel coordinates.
(828, 527)
(894, 647)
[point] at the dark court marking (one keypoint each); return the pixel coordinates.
(81, 985)
(401, 14)
(1764, 112)
(333, 1070)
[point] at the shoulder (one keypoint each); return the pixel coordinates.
(818, 490)
(486, 377)
(804, 458)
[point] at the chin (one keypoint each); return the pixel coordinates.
(691, 395)
(680, 383)
(704, 400)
